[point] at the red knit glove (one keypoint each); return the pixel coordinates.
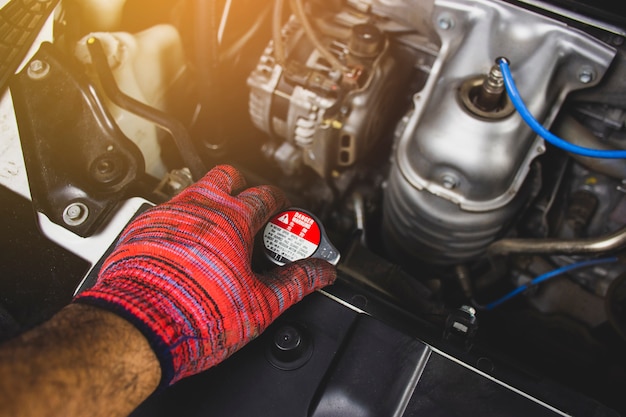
(181, 273)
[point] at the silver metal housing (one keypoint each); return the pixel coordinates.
(457, 179)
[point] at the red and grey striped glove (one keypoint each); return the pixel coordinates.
(181, 273)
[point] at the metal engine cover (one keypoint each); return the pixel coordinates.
(457, 179)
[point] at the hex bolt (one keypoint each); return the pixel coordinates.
(75, 214)
(449, 182)
(445, 22)
(586, 75)
(38, 69)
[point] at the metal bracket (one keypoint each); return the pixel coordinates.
(78, 161)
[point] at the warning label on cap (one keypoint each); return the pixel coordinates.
(291, 235)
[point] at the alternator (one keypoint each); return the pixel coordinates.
(321, 116)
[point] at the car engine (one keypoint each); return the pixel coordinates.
(465, 156)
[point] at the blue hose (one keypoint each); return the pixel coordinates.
(547, 276)
(521, 108)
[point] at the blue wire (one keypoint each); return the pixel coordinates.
(547, 276)
(521, 108)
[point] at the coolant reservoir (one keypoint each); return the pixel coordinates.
(145, 66)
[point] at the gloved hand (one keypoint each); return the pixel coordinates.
(181, 273)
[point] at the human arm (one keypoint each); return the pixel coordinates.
(181, 275)
(83, 361)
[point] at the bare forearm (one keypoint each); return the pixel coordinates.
(84, 361)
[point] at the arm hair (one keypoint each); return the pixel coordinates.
(84, 361)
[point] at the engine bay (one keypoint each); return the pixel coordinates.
(413, 129)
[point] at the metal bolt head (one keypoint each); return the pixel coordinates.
(449, 182)
(38, 69)
(445, 22)
(75, 214)
(586, 75)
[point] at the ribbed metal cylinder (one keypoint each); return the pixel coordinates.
(420, 225)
